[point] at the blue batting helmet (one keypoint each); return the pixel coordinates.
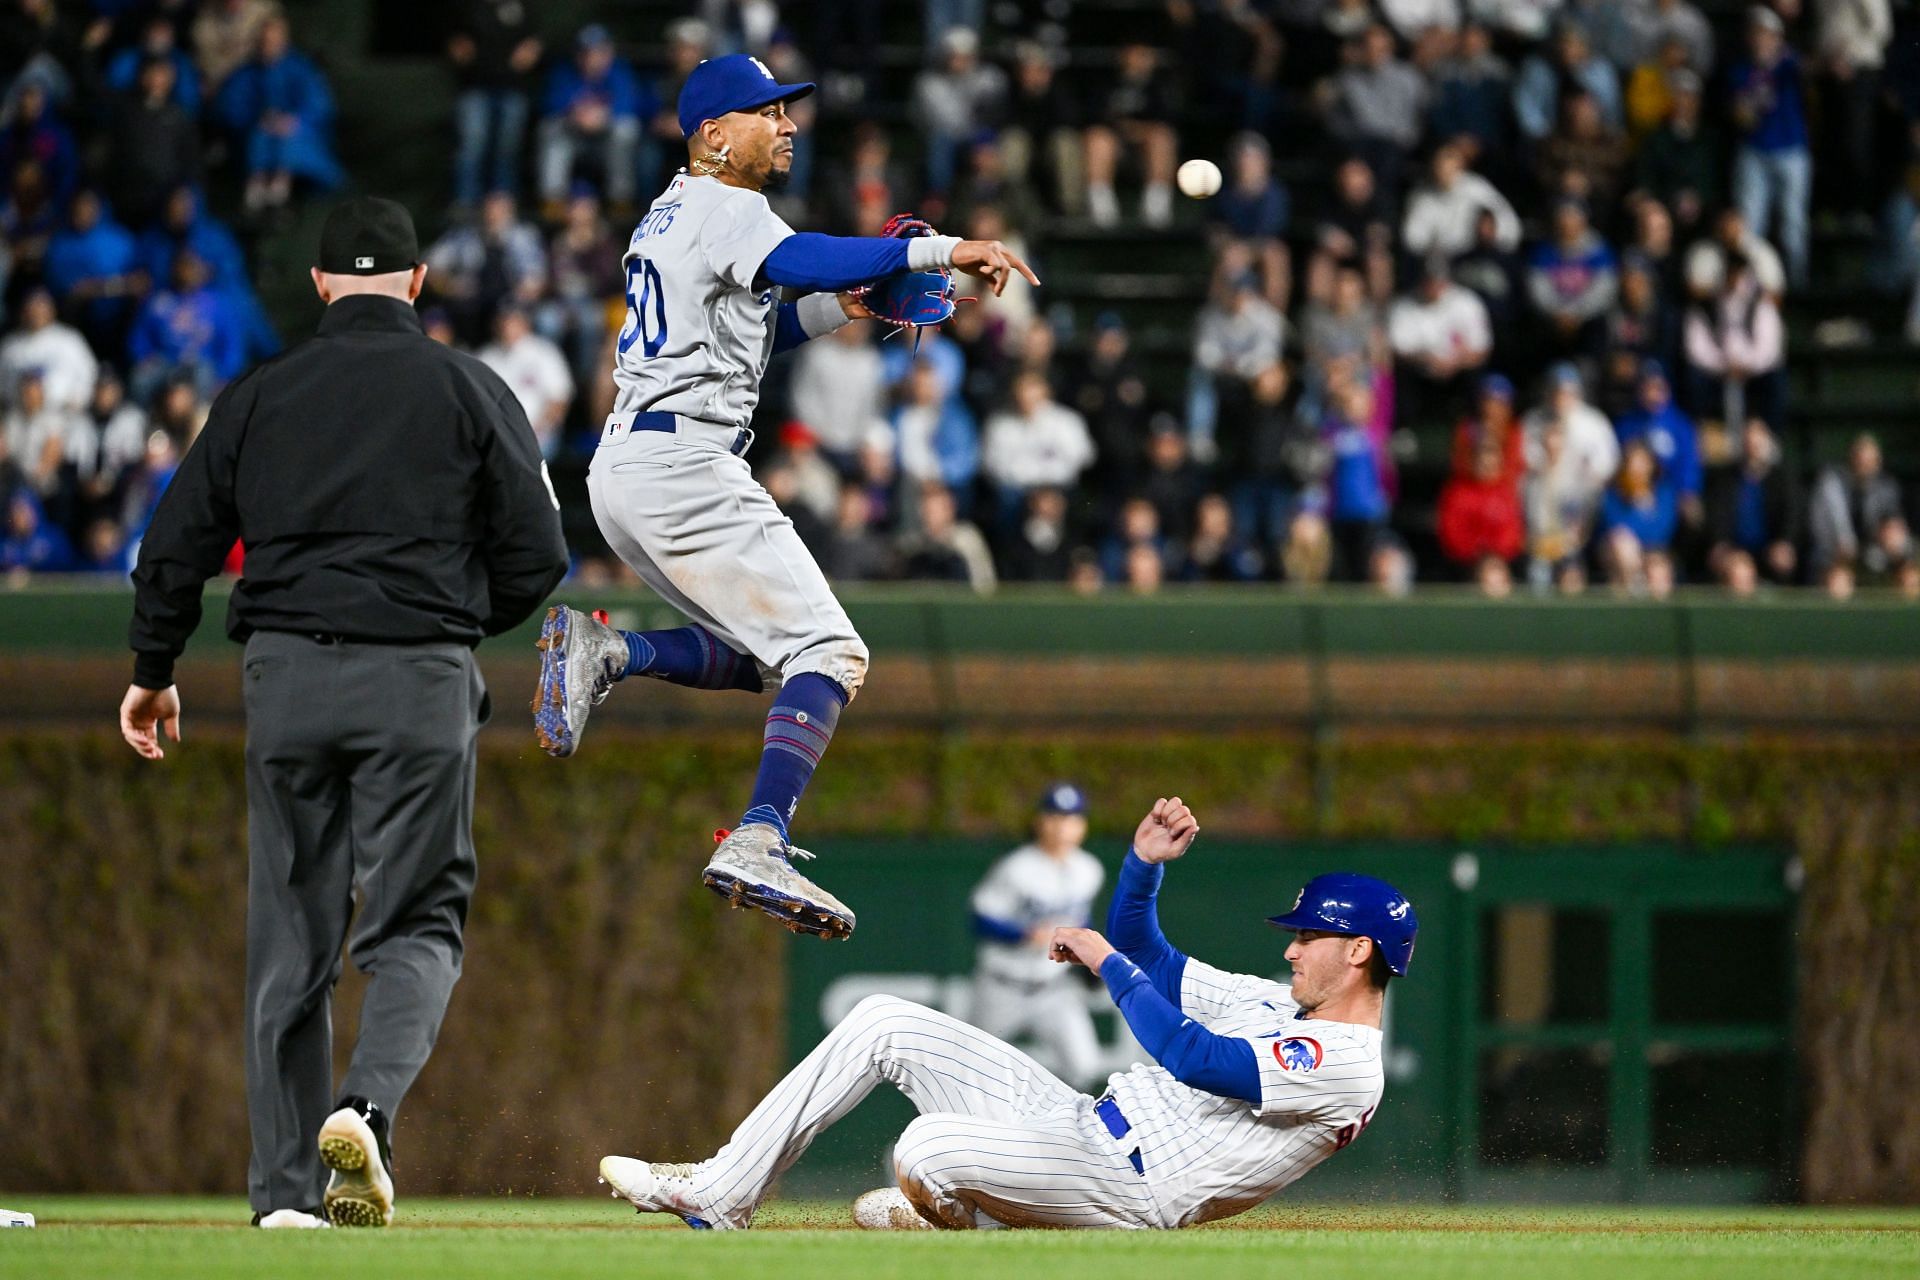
(1361, 906)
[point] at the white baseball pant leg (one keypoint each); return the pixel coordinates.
(997, 1133)
(689, 518)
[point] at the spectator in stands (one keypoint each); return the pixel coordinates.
(1039, 550)
(1137, 527)
(475, 268)
(1571, 66)
(1649, 96)
(1638, 517)
(225, 34)
(33, 544)
(153, 145)
(1655, 23)
(1138, 117)
(1011, 311)
(1560, 503)
(1174, 481)
(1441, 338)
(1238, 334)
(1443, 215)
(1034, 443)
(1345, 333)
(1494, 275)
(856, 552)
(1680, 162)
(839, 391)
(185, 328)
(1108, 389)
(939, 440)
(584, 261)
(1356, 229)
(689, 43)
(945, 548)
(494, 49)
(1853, 40)
(1584, 158)
(1733, 239)
(107, 444)
(954, 101)
(1042, 140)
(1479, 516)
(1587, 453)
(32, 130)
(1217, 552)
(39, 436)
(1252, 212)
(593, 108)
(1572, 278)
(1642, 326)
(158, 43)
(816, 484)
(1491, 422)
(868, 187)
(92, 271)
(1772, 168)
(54, 351)
(1355, 497)
(279, 109)
(1754, 513)
(1376, 106)
(186, 225)
(1736, 351)
(536, 372)
(1471, 93)
(1669, 434)
(1859, 523)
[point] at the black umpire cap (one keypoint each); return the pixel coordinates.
(368, 236)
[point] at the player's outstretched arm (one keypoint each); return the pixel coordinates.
(1133, 918)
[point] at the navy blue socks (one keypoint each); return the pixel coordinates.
(798, 730)
(690, 656)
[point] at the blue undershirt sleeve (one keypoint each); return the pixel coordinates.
(1192, 1054)
(997, 930)
(827, 264)
(1133, 926)
(788, 332)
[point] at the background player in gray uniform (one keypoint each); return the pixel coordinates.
(1256, 1083)
(675, 499)
(1018, 990)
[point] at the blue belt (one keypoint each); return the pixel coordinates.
(667, 422)
(1109, 1112)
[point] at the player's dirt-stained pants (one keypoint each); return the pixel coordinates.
(998, 1136)
(1053, 1013)
(685, 513)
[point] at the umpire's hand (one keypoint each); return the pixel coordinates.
(142, 711)
(1166, 832)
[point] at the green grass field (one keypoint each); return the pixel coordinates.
(207, 1239)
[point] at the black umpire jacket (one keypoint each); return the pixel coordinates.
(386, 488)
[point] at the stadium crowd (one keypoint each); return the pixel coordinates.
(1560, 231)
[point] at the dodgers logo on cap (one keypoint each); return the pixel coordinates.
(1297, 1053)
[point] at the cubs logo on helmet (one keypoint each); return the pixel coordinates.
(1297, 1053)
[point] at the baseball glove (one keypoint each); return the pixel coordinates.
(909, 299)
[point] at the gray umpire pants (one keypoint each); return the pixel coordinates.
(360, 771)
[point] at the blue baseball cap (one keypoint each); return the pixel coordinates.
(1063, 797)
(1346, 902)
(736, 82)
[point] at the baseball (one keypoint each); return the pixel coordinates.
(1199, 178)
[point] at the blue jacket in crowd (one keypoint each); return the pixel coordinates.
(291, 85)
(1671, 436)
(626, 95)
(1652, 521)
(199, 327)
(75, 257)
(123, 76)
(1779, 100)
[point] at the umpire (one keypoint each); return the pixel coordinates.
(394, 510)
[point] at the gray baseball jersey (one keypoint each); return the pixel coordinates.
(698, 334)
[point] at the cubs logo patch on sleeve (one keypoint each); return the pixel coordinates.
(1297, 1053)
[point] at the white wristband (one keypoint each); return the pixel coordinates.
(924, 252)
(820, 314)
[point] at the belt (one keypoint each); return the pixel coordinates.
(618, 424)
(1109, 1112)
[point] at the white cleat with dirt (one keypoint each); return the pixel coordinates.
(657, 1187)
(360, 1193)
(888, 1209)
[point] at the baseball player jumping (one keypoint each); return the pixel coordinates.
(673, 495)
(1256, 1083)
(1025, 896)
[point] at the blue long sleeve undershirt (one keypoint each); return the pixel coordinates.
(1144, 978)
(788, 333)
(997, 930)
(827, 264)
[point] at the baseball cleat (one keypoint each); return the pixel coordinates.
(887, 1209)
(656, 1188)
(353, 1143)
(751, 868)
(290, 1220)
(580, 658)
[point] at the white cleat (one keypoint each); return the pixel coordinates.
(292, 1220)
(888, 1209)
(751, 869)
(657, 1188)
(360, 1193)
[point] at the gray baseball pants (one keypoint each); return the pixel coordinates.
(360, 773)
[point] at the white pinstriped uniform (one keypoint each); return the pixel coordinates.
(1001, 1140)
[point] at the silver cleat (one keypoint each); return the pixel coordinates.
(751, 868)
(580, 658)
(887, 1209)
